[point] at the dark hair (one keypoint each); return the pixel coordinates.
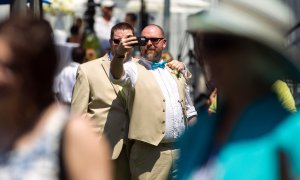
(120, 26)
(74, 30)
(132, 16)
(31, 41)
(78, 54)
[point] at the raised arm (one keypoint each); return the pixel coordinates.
(121, 54)
(190, 109)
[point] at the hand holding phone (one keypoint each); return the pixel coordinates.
(142, 41)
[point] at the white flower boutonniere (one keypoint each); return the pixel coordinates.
(177, 73)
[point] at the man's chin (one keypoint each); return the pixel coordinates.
(150, 57)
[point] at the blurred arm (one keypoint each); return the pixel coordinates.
(85, 157)
(190, 109)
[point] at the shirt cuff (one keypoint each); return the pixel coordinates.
(186, 73)
(191, 111)
(120, 81)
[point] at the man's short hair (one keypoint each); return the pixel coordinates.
(132, 16)
(74, 30)
(78, 54)
(121, 26)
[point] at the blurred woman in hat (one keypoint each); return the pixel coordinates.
(251, 136)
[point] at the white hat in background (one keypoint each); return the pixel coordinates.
(108, 3)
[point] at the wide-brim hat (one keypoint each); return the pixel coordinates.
(263, 21)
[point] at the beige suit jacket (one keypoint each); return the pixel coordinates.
(101, 101)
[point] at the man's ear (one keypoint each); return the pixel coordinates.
(164, 43)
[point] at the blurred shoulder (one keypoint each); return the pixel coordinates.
(79, 127)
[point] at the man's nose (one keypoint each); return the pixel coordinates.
(149, 40)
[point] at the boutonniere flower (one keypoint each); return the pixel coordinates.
(177, 73)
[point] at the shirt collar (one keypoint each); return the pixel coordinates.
(147, 63)
(110, 56)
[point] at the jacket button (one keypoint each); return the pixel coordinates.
(164, 100)
(163, 132)
(163, 122)
(122, 129)
(163, 110)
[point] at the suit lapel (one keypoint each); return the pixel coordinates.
(105, 63)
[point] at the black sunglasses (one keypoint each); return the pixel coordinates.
(116, 41)
(153, 40)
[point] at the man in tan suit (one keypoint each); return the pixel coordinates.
(102, 102)
(158, 102)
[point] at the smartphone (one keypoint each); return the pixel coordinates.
(142, 41)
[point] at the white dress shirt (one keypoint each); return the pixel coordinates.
(65, 82)
(175, 124)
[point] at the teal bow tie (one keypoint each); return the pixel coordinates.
(156, 65)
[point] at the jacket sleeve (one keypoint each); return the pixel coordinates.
(81, 93)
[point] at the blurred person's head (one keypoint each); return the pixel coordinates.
(241, 44)
(131, 19)
(90, 54)
(74, 30)
(78, 54)
(107, 7)
(78, 22)
(167, 56)
(119, 31)
(156, 42)
(28, 64)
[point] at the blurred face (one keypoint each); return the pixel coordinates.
(118, 35)
(223, 62)
(129, 20)
(107, 11)
(155, 45)
(10, 79)
(78, 22)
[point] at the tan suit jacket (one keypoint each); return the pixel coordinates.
(101, 101)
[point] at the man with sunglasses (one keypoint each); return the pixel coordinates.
(98, 99)
(158, 102)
